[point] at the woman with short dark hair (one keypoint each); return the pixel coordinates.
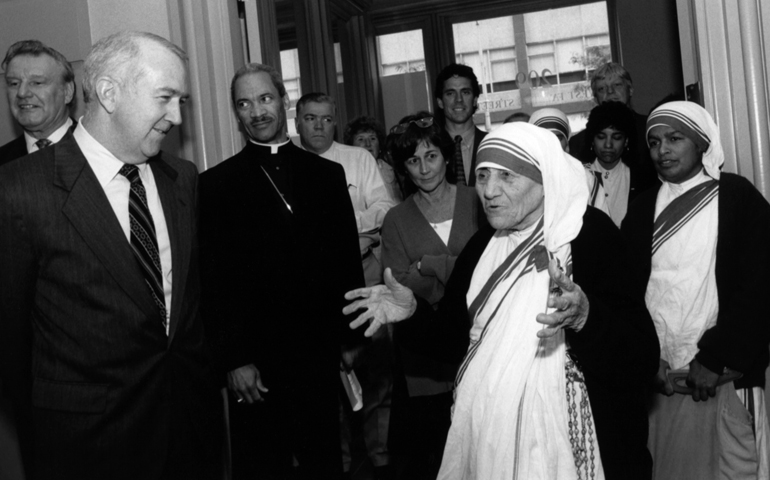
(610, 137)
(421, 239)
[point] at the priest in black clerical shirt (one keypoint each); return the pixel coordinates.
(279, 250)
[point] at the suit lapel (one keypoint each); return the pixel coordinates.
(178, 215)
(17, 148)
(91, 214)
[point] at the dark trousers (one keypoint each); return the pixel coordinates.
(292, 422)
(418, 432)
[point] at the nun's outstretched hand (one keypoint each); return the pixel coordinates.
(571, 305)
(382, 304)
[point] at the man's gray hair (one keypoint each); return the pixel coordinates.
(250, 68)
(117, 56)
(315, 97)
(610, 69)
(35, 48)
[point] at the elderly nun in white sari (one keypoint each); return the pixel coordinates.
(542, 391)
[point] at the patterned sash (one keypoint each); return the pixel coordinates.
(681, 210)
(597, 187)
(530, 250)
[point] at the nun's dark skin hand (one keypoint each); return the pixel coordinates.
(702, 381)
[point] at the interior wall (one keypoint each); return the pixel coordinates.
(110, 16)
(649, 49)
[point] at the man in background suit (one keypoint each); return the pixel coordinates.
(279, 248)
(40, 87)
(611, 82)
(101, 342)
(457, 96)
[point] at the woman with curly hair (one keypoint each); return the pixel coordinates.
(368, 133)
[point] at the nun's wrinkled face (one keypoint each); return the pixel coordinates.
(676, 157)
(511, 201)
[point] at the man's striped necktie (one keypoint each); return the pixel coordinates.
(144, 242)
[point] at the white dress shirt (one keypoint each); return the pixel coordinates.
(117, 187)
(371, 200)
(617, 184)
(57, 135)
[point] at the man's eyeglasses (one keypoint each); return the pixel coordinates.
(420, 122)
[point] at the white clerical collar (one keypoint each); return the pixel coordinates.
(57, 135)
(104, 164)
(272, 146)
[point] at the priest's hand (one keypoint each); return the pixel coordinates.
(246, 383)
(383, 304)
(702, 381)
(571, 306)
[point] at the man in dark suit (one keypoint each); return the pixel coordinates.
(40, 87)
(279, 249)
(101, 340)
(457, 97)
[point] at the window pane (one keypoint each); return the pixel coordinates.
(402, 75)
(503, 63)
(487, 46)
(401, 53)
(290, 73)
(338, 61)
(597, 51)
(562, 45)
(567, 53)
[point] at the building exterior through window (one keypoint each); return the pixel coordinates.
(524, 62)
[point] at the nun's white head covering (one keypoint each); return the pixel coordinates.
(551, 119)
(695, 123)
(536, 153)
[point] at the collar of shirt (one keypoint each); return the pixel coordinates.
(469, 137)
(104, 164)
(57, 135)
(329, 153)
(679, 188)
(619, 168)
(341, 156)
(272, 146)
